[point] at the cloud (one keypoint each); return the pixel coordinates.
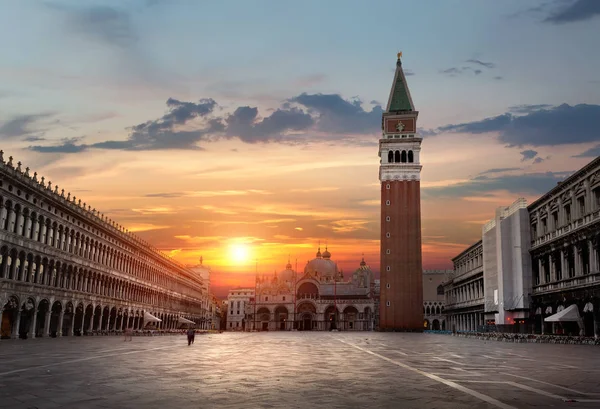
(22, 126)
(244, 124)
(337, 115)
(526, 109)
(578, 10)
(528, 154)
(186, 124)
(100, 23)
(530, 183)
(498, 78)
(454, 71)
(560, 125)
(590, 153)
(482, 63)
(498, 170)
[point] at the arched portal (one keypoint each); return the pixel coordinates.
(112, 319)
(435, 325)
(27, 318)
(281, 317)
(68, 319)
(350, 318)
(43, 314)
(263, 316)
(97, 317)
(79, 314)
(55, 318)
(332, 317)
(105, 318)
(307, 290)
(390, 156)
(9, 318)
(306, 313)
(88, 321)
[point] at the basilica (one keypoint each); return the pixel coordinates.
(318, 299)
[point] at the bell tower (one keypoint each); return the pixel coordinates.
(401, 302)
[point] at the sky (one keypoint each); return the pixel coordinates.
(247, 132)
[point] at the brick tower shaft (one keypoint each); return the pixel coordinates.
(401, 303)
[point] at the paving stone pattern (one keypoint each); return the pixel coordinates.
(296, 370)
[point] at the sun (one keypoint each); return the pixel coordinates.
(240, 253)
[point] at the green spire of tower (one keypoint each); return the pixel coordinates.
(400, 100)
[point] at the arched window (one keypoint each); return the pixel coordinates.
(390, 156)
(410, 157)
(437, 310)
(397, 156)
(427, 311)
(440, 289)
(403, 157)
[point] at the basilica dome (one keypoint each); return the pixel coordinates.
(288, 274)
(322, 265)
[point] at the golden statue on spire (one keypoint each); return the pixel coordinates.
(400, 55)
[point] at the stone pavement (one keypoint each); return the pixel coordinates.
(296, 370)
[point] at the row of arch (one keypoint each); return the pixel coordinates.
(433, 310)
(31, 268)
(18, 219)
(28, 318)
(401, 157)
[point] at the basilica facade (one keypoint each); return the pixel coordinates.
(320, 298)
(66, 269)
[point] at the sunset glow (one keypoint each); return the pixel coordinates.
(239, 253)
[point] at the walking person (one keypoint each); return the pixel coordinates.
(190, 335)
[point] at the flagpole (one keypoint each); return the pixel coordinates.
(295, 284)
(255, 294)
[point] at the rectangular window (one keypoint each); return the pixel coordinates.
(555, 219)
(596, 193)
(284, 298)
(581, 205)
(544, 225)
(568, 213)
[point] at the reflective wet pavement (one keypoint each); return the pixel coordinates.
(296, 370)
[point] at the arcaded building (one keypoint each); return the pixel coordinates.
(401, 302)
(318, 299)
(565, 234)
(434, 300)
(464, 289)
(67, 269)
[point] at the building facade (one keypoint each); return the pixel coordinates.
(565, 233)
(66, 269)
(507, 266)
(319, 299)
(399, 174)
(237, 300)
(464, 290)
(434, 300)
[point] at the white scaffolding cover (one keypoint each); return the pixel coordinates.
(571, 313)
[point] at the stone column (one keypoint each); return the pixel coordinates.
(42, 238)
(551, 262)
(99, 327)
(82, 329)
(577, 258)
(592, 256)
(32, 324)
(72, 326)
(564, 271)
(541, 272)
(15, 329)
(3, 214)
(60, 323)
(27, 230)
(47, 323)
